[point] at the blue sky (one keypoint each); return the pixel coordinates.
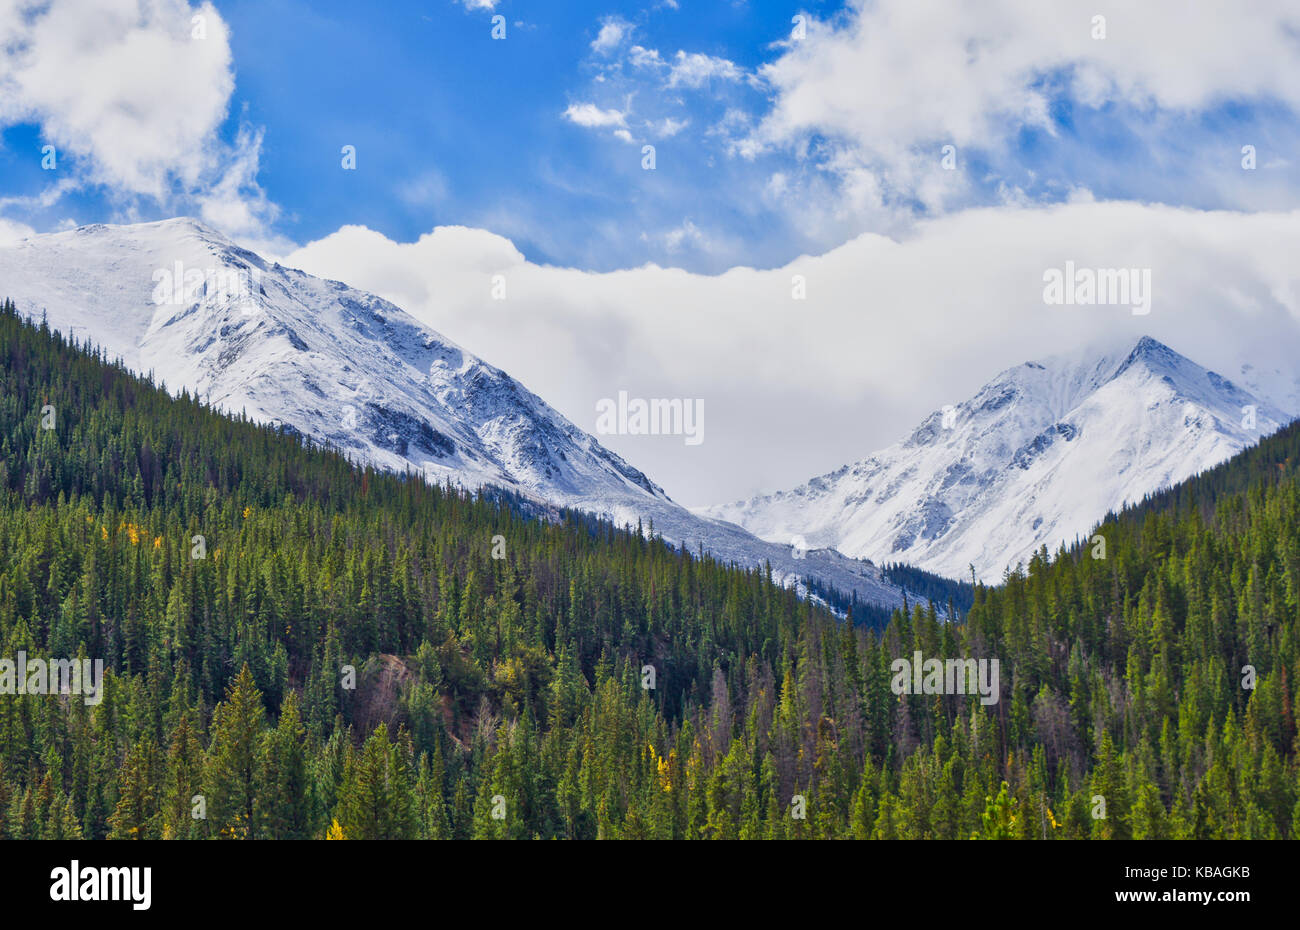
(452, 127)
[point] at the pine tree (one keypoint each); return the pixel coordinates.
(233, 770)
(285, 802)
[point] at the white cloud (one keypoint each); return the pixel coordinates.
(234, 202)
(688, 232)
(11, 230)
(642, 57)
(122, 84)
(46, 197)
(479, 4)
(906, 75)
(694, 70)
(130, 91)
(593, 117)
(891, 329)
(668, 127)
(612, 32)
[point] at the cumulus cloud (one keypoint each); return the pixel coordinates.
(668, 127)
(612, 32)
(891, 329)
(136, 93)
(593, 117)
(898, 78)
(641, 57)
(694, 70)
(917, 70)
(691, 70)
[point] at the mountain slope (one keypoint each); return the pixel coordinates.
(334, 363)
(345, 367)
(1037, 457)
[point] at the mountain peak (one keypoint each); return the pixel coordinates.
(188, 224)
(1149, 344)
(1035, 457)
(1153, 351)
(175, 224)
(1106, 354)
(177, 298)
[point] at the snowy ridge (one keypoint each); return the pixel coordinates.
(345, 367)
(1037, 457)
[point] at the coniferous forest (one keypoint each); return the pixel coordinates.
(298, 648)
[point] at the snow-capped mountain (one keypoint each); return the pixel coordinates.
(1037, 457)
(340, 365)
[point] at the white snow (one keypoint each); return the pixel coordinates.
(1037, 457)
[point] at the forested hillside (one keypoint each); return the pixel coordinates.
(296, 648)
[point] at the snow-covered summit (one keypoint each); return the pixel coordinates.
(177, 299)
(1036, 457)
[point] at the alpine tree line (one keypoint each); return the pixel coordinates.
(296, 647)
